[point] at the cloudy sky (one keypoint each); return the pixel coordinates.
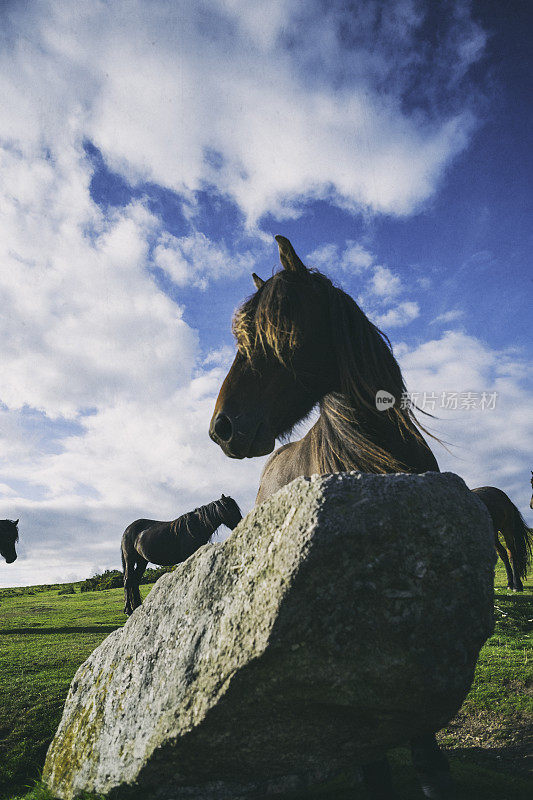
(150, 151)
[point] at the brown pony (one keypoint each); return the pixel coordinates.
(169, 543)
(509, 523)
(9, 536)
(301, 341)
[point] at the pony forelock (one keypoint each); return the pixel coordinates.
(272, 319)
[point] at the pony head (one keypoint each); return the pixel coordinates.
(282, 366)
(300, 341)
(8, 538)
(230, 512)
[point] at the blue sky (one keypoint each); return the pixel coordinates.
(150, 151)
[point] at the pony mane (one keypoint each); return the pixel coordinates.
(366, 364)
(204, 515)
(273, 319)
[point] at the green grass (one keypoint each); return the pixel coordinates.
(505, 668)
(44, 637)
(50, 610)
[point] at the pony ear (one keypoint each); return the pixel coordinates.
(223, 496)
(287, 255)
(16, 521)
(258, 281)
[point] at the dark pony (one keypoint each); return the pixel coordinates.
(9, 536)
(169, 543)
(509, 523)
(301, 342)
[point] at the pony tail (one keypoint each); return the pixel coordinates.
(523, 543)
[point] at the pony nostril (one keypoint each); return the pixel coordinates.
(223, 428)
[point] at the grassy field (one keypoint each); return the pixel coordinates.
(45, 637)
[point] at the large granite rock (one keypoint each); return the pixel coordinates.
(341, 617)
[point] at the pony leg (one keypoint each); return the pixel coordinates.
(378, 780)
(127, 570)
(518, 586)
(141, 564)
(517, 538)
(432, 768)
(502, 552)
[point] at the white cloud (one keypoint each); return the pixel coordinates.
(195, 259)
(379, 285)
(353, 259)
(150, 453)
(104, 417)
(218, 94)
(325, 257)
(488, 447)
(448, 316)
(356, 258)
(397, 316)
(384, 283)
(222, 357)
(424, 283)
(85, 322)
(147, 456)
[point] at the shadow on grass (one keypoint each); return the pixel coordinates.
(474, 781)
(64, 629)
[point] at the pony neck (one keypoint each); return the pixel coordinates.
(352, 436)
(211, 514)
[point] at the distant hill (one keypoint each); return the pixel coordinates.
(110, 579)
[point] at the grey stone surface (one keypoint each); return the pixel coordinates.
(341, 617)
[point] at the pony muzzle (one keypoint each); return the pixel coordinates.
(240, 438)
